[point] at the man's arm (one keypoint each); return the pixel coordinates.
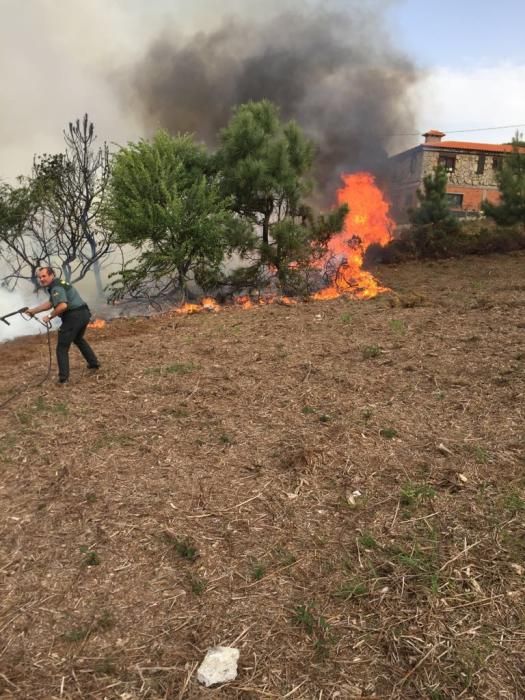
(57, 311)
(38, 309)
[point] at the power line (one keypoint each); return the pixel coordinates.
(466, 131)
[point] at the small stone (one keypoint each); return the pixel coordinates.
(351, 497)
(444, 449)
(219, 666)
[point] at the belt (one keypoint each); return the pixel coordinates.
(79, 308)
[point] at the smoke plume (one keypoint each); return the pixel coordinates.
(11, 301)
(336, 72)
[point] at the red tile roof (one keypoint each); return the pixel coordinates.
(469, 146)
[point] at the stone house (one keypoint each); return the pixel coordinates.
(471, 169)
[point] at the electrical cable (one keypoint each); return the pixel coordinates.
(466, 131)
(18, 391)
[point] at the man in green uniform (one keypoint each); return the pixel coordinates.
(66, 303)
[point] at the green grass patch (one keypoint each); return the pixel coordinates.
(316, 626)
(308, 410)
(257, 571)
(78, 634)
(91, 558)
(371, 351)
(113, 440)
(184, 547)
(481, 455)
(397, 326)
(388, 433)
(105, 622)
(197, 585)
(367, 414)
(41, 406)
(514, 503)
(283, 557)
(412, 494)
(351, 589)
(367, 541)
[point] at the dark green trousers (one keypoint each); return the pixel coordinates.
(74, 324)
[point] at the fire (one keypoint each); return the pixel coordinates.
(242, 301)
(367, 222)
(97, 324)
(189, 309)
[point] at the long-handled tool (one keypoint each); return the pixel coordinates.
(13, 313)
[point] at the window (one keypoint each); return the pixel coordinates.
(481, 165)
(455, 201)
(497, 162)
(448, 163)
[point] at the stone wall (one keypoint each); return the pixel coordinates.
(465, 172)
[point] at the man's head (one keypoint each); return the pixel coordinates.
(46, 276)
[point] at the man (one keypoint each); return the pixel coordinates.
(66, 304)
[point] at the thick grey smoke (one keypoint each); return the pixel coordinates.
(337, 73)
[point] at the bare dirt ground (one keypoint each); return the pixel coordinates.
(201, 489)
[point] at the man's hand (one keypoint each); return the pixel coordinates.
(47, 319)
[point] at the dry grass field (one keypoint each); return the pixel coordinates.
(336, 488)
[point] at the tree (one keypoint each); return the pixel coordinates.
(264, 165)
(165, 202)
(297, 243)
(433, 206)
(433, 221)
(63, 200)
(21, 254)
(511, 183)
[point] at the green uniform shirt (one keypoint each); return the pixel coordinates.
(63, 292)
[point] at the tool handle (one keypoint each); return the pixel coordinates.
(13, 313)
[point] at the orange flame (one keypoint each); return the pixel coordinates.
(189, 309)
(367, 222)
(97, 324)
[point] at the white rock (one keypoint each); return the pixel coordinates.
(219, 666)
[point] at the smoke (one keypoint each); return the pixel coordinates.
(336, 72)
(55, 59)
(135, 66)
(12, 301)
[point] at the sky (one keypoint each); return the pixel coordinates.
(60, 58)
(473, 54)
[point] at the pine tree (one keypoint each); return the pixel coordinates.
(511, 183)
(433, 223)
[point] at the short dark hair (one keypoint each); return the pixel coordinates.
(49, 270)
